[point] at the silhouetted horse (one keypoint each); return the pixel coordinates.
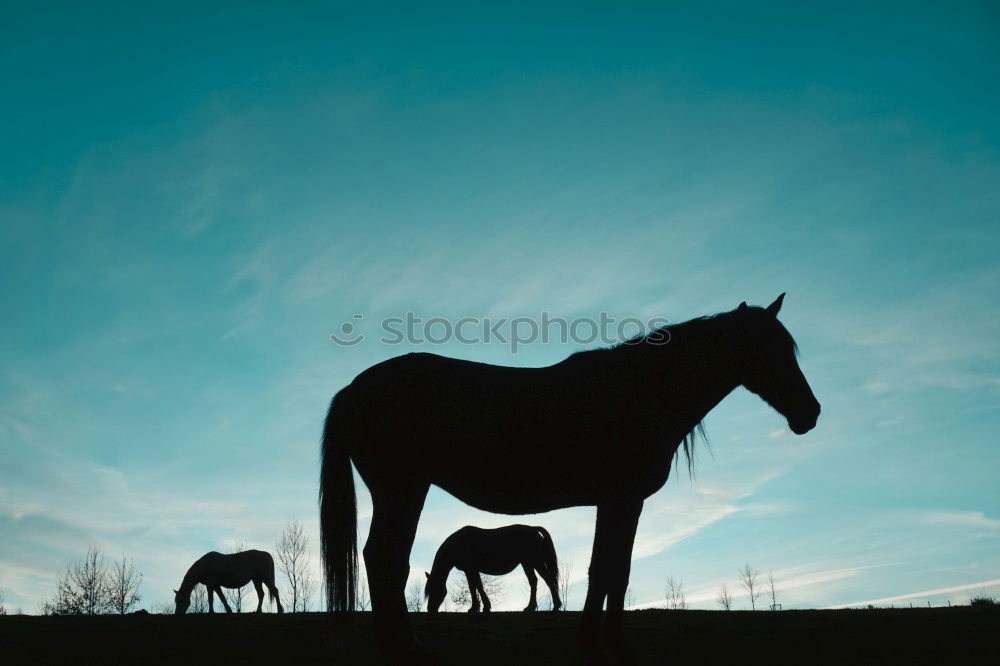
(473, 550)
(598, 428)
(216, 571)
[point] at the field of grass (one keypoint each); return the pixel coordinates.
(944, 636)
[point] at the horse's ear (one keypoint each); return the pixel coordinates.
(176, 592)
(428, 575)
(743, 306)
(773, 308)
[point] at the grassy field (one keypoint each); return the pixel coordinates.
(944, 636)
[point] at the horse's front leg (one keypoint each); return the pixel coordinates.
(222, 598)
(482, 593)
(471, 579)
(610, 563)
(211, 601)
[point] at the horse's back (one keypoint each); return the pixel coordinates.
(495, 551)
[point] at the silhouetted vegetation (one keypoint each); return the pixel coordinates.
(292, 550)
(725, 598)
(89, 588)
(673, 591)
(123, 586)
(983, 602)
(748, 579)
(773, 590)
(565, 581)
(414, 596)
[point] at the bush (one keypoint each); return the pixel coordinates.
(983, 602)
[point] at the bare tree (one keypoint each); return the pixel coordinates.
(565, 581)
(362, 601)
(725, 598)
(123, 586)
(414, 596)
(199, 600)
(235, 594)
(494, 587)
(84, 589)
(748, 579)
(3, 601)
(773, 590)
(629, 598)
(294, 562)
(674, 593)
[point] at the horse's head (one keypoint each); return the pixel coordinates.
(181, 602)
(435, 591)
(769, 368)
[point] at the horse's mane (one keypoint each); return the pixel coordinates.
(661, 337)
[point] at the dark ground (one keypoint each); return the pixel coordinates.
(960, 635)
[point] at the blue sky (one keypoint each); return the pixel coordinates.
(192, 200)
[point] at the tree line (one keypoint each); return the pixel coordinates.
(749, 580)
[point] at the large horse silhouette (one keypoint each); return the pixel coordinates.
(473, 550)
(598, 428)
(216, 571)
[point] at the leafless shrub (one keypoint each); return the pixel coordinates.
(84, 589)
(294, 562)
(199, 600)
(773, 590)
(414, 596)
(164, 608)
(460, 596)
(362, 601)
(674, 593)
(123, 586)
(725, 598)
(565, 581)
(748, 579)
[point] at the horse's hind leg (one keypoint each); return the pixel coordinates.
(395, 513)
(533, 584)
(553, 583)
(260, 595)
(273, 590)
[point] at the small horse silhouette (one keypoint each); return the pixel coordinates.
(600, 428)
(474, 550)
(216, 571)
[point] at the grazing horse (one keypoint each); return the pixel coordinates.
(599, 428)
(216, 571)
(473, 550)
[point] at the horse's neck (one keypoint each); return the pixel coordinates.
(698, 373)
(191, 578)
(444, 561)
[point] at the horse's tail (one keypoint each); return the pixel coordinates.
(550, 560)
(338, 513)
